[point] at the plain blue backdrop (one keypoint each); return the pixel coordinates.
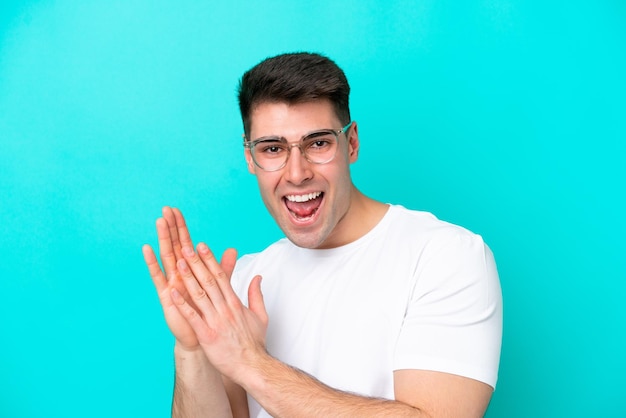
(507, 117)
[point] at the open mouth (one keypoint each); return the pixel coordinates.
(303, 207)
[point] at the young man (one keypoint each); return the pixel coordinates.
(366, 309)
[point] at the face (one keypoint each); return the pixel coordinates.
(309, 202)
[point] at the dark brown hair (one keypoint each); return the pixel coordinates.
(294, 78)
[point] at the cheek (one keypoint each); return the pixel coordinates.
(267, 184)
(339, 177)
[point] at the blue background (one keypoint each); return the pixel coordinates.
(507, 117)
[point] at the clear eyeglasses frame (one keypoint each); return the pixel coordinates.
(271, 153)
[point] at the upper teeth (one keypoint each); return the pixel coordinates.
(303, 197)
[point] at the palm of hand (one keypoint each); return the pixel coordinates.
(178, 325)
(172, 233)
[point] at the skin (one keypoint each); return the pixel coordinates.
(220, 343)
(193, 370)
(345, 213)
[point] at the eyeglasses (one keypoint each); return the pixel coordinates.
(270, 153)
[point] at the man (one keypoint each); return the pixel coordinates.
(366, 309)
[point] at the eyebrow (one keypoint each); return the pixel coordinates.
(315, 132)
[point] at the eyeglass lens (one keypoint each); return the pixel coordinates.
(317, 147)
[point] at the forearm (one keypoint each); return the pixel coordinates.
(287, 392)
(198, 389)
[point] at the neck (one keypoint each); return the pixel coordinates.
(362, 216)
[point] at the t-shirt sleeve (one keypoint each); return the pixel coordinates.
(453, 322)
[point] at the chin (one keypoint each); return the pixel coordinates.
(305, 240)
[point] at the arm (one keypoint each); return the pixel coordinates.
(442, 394)
(198, 385)
(232, 336)
(417, 394)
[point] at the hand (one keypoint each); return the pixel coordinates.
(173, 235)
(230, 334)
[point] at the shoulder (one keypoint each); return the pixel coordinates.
(427, 231)
(440, 253)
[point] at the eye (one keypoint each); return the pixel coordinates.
(269, 148)
(319, 142)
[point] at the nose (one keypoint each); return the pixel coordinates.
(298, 169)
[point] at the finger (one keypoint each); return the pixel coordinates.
(221, 277)
(166, 251)
(229, 259)
(255, 300)
(192, 316)
(159, 280)
(168, 215)
(200, 284)
(209, 260)
(181, 227)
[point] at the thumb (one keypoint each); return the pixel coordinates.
(229, 259)
(255, 299)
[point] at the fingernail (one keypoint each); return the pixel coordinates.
(182, 265)
(177, 297)
(187, 251)
(203, 248)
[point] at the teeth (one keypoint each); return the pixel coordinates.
(303, 197)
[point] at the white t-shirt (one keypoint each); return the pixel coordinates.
(413, 293)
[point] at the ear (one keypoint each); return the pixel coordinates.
(250, 163)
(353, 143)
